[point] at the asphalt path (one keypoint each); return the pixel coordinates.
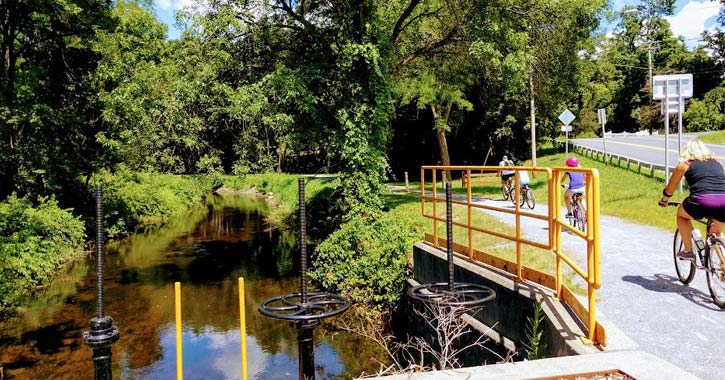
(641, 303)
(647, 148)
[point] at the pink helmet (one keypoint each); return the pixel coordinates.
(572, 161)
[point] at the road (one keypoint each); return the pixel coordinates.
(647, 148)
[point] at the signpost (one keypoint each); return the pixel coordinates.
(566, 117)
(602, 116)
(672, 90)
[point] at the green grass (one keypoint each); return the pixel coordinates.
(713, 138)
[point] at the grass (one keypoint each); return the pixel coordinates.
(713, 138)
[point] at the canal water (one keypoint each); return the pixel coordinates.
(206, 250)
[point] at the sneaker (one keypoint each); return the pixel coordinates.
(686, 255)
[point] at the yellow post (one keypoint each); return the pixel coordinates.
(435, 207)
(470, 215)
(557, 232)
(517, 201)
(242, 328)
(179, 351)
(422, 190)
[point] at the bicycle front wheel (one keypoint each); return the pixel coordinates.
(506, 191)
(530, 201)
(715, 259)
(685, 269)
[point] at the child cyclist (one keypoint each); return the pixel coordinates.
(576, 184)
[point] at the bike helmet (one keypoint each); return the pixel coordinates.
(572, 161)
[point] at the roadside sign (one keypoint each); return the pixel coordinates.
(566, 128)
(672, 82)
(602, 116)
(566, 117)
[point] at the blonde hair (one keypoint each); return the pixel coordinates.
(696, 150)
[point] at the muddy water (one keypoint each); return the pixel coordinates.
(207, 250)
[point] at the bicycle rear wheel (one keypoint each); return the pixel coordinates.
(715, 259)
(506, 191)
(530, 201)
(685, 269)
(580, 217)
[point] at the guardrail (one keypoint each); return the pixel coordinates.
(555, 225)
(596, 154)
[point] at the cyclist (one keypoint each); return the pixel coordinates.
(706, 179)
(506, 174)
(576, 184)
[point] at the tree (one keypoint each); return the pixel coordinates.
(49, 111)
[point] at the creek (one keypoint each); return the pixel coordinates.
(206, 250)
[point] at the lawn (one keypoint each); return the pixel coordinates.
(714, 138)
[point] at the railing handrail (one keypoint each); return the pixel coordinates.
(592, 274)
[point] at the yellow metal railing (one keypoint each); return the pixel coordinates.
(555, 223)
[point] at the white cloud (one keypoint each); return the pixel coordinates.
(164, 4)
(690, 21)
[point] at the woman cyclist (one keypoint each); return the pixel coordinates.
(706, 180)
(576, 184)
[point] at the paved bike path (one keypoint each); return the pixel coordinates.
(641, 296)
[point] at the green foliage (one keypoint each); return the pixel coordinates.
(535, 348)
(131, 198)
(713, 137)
(365, 259)
(34, 242)
(707, 114)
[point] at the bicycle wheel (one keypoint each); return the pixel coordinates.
(685, 269)
(530, 201)
(715, 259)
(506, 191)
(582, 218)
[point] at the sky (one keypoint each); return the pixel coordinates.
(691, 17)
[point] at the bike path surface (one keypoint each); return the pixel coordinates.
(641, 296)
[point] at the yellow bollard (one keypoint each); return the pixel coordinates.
(242, 328)
(177, 301)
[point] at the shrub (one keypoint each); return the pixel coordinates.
(365, 260)
(131, 198)
(34, 243)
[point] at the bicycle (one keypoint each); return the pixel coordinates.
(506, 188)
(578, 217)
(527, 197)
(711, 254)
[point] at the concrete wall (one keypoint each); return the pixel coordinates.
(508, 314)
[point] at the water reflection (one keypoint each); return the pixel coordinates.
(206, 250)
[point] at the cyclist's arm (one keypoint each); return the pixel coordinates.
(675, 179)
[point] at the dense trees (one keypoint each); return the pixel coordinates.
(315, 86)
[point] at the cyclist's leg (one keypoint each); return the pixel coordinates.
(684, 224)
(567, 200)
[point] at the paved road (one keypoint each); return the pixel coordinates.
(646, 148)
(641, 297)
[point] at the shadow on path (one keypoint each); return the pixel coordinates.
(664, 283)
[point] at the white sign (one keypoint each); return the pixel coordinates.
(566, 117)
(602, 116)
(672, 82)
(566, 128)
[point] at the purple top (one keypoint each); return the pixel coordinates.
(576, 180)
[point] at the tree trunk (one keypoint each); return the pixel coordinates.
(442, 143)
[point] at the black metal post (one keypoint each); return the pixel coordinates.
(303, 243)
(103, 331)
(449, 235)
(306, 347)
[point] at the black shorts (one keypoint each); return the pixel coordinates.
(706, 206)
(505, 177)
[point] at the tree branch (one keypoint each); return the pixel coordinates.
(288, 9)
(399, 24)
